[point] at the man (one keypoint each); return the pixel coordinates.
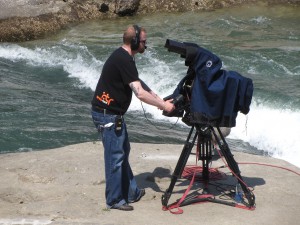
(119, 78)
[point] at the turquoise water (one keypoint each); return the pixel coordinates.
(46, 85)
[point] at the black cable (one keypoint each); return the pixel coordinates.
(153, 123)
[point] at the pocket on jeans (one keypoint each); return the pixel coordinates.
(98, 123)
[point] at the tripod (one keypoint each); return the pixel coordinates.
(204, 135)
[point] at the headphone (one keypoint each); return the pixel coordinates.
(135, 42)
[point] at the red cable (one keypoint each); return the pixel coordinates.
(214, 173)
(236, 176)
(190, 172)
(263, 164)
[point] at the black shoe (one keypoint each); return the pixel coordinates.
(142, 193)
(124, 207)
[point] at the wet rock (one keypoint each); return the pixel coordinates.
(127, 7)
(23, 20)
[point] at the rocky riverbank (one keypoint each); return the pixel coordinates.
(23, 20)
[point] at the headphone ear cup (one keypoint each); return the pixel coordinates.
(134, 45)
(135, 42)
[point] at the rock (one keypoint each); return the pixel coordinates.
(24, 20)
(126, 7)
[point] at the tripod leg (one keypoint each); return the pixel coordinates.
(233, 165)
(186, 151)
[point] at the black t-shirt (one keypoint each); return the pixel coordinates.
(113, 91)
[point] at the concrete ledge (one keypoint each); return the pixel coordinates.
(67, 186)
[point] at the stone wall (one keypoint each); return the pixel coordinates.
(23, 20)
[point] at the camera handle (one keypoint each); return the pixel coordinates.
(206, 157)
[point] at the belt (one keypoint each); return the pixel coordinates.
(104, 111)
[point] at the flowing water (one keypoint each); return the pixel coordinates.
(46, 85)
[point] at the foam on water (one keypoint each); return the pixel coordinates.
(275, 131)
(76, 60)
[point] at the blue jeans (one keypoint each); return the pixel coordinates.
(121, 186)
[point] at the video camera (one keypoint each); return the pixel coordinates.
(208, 94)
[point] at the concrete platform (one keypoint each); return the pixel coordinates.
(66, 186)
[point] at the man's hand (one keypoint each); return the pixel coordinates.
(169, 106)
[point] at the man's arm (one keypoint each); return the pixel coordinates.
(150, 97)
(145, 86)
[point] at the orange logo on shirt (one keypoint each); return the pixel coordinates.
(105, 98)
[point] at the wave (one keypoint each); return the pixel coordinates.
(75, 59)
(275, 131)
(267, 128)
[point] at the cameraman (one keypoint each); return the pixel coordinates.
(112, 97)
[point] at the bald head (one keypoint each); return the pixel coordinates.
(134, 38)
(130, 33)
